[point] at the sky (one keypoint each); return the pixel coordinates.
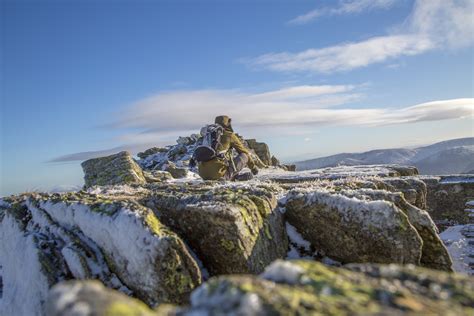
(81, 79)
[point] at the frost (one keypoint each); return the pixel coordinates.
(20, 265)
(283, 272)
(457, 239)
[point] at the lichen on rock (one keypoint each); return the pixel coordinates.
(115, 169)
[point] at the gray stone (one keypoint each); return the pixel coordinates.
(115, 169)
(353, 230)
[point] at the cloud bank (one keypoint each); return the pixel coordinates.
(432, 25)
(297, 110)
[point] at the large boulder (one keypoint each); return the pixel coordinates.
(50, 238)
(353, 230)
(310, 288)
(232, 228)
(115, 169)
(434, 254)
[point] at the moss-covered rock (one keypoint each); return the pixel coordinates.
(310, 288)
(92, 298)
(434, 253)
(353, 230)
(81, 235)
(447, 197)
(232, 229)
(115, 169)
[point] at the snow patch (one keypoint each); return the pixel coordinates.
(457, 243)
(283, 272)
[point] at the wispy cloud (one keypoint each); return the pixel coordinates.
(343, 8)
(288, 111)
(434, 24)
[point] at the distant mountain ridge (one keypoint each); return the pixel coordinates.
(446, 157)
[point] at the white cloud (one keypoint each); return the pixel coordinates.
(434, 24)
(344, 7)
(297, 110)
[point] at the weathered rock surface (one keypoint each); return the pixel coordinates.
(154, 240)
(434, 253)
(310, 288)
(297, 288)
(91, 298)
(261, 149)
(115, 169)
(447, 197)
(353, 230)
(232, 229)
(50, 238)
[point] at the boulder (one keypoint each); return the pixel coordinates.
(157, 176)
(289, 167)
(413, 189)
(261, 150)
(80, 236)
(231, 228)
(176, 172)
(446, 198)
(91, 298)
(310, 288)
(151, 151)
(275, 161)
(434, 253)
(115, 169)
(353, 230)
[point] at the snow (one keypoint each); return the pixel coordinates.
(456, 238)
(132, 249)
(283, 272)
(25, 285)
(297, 242)
(470, 203)
(377, 213)
(457, 179)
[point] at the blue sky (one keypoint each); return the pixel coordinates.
(310, 78)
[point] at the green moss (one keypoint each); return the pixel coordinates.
(267, 231)
(227, 245)
(153, 223)
(129, 308)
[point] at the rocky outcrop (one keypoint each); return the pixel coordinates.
(157, 241)
(261, 150)
(353, 230)
(115, 169)
(298, 288)
(50, 238)
(232, 229)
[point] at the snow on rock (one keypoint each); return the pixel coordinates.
(233, 228)
(353, 230)
(50, 238)
(434, 253)
(305, 287)
(25, 279)
(283, 272)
